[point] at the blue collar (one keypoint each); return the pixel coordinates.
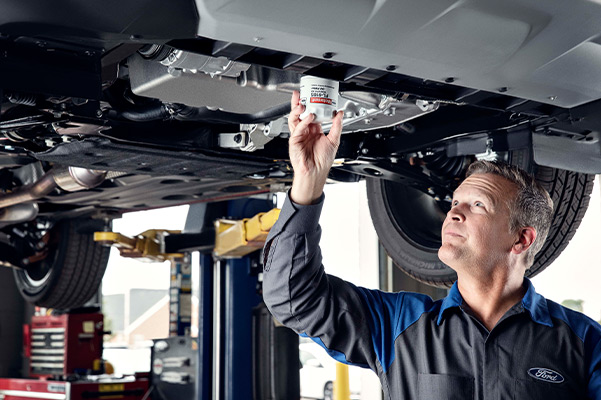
(453, 299)
(534, 303)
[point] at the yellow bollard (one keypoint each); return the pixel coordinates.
(341, 384)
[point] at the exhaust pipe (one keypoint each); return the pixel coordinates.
(71, 179)
(31, 192)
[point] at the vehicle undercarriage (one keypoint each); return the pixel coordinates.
(156, 106)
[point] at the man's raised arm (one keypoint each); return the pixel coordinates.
(311, 153)
(334, 313)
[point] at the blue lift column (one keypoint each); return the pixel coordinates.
(238, 342)
(200, 229)
(205, 327)
(240, 353)
(240, 300)
(236, 282)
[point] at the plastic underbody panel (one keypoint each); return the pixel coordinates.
(155, 177)
(548, 51)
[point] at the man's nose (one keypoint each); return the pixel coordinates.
(456, 213)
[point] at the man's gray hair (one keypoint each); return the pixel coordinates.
(532, 205)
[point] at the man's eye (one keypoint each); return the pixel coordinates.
(479, 204)
(455, 202)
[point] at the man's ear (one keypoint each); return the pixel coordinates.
(526, 237)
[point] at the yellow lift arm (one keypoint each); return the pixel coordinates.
(147, 244)
(233, 239)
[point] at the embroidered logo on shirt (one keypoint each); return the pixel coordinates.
(545, 374)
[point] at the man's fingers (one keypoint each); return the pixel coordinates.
(336, 129)
(293, 117)
(296, 109)
(303, 125)
(295, 99)
(295, 113)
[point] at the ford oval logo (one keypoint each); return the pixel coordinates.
(545, 374)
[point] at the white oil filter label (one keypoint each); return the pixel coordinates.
(320, 97)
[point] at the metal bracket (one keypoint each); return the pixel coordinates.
(251, 136)
(258, 136)
(232, 140)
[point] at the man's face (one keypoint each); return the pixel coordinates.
(475, 233)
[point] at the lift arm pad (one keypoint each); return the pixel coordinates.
(238, 238)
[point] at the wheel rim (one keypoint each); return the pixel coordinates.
(37, 274)
(40, 272)
(37, 282)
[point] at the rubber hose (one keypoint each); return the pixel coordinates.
(204, 114)
(144, 114)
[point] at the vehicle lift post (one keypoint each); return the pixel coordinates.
(228, 295)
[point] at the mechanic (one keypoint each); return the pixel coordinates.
(492, 337)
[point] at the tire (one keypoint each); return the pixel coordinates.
(408, 222)
(72, 271)
(328, 391)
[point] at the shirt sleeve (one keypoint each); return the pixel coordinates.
(299, 293)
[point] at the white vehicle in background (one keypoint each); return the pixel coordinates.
(318, 372)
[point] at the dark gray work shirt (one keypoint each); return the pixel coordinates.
(425, 349)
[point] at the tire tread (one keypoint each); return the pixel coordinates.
(77, 278)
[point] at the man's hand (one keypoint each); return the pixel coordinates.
(311, 152)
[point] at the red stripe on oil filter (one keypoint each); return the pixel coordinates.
(321, 100)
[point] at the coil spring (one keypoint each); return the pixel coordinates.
(23, 99)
